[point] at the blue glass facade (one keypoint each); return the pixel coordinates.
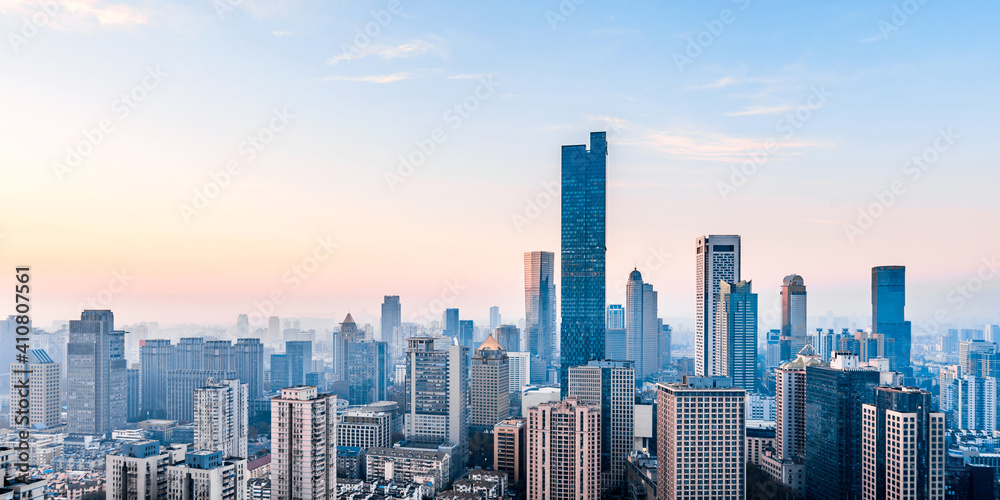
(584, 174)
(888, 301)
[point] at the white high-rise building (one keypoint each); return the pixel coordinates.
(42, 382)
(976, 403)
(303, 444)
(137, 472)
(520, 370)
(437, 394)
(642, 328)
(701, 439)
(207, 475)
(365, 429)
(221, 418)
(717, 259)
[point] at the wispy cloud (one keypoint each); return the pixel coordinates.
(728, 81)
(282, 33)
(876, 38)
(762, 110)
(710, 146)
(394, 77)
(71, 11)
(468, 76)
(412, 48)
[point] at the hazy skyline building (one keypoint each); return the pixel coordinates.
(248, 363)
(509, 338)
(368, 367)
(96, 375)
(494, 318)
(642, 327)
(299, 356)
(717, 260)
(392, 320)
(450, 322)
(584, 179)
(793, 316)
(540, 304)
(888, 304)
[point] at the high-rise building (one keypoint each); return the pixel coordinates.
(392, 320)
(137, 472)
(218, 355)
(701, 439)
(564, 450)
(281, 372)
(466, 331)
(584, 184)
(903, 446)
(368, 369)
(221, 417)
(437, 394)
(248, 362)
(787, 464)
(540, 304)
(96, 375)
(977, 403)
(365, 429)
(615, 335)
(207, 475)
(888, 302)
(494, 318)
(490, 385)
(510, 449)
(181, 386)
(273, 329)
(641, 326)
(134, 399)
(303, 444)
(992, 333)
(189, 354)
(834, 396)
(793, 315)
(242, 326)
(41, 375)
(520, 370)
(450, 322)
(665, 345)
(967, 349)
(736, 334)
(349, 332)
(609, 385)
(156, 359)
(509, 337)
(299, 356)
(718, 260)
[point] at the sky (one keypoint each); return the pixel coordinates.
(185, 162)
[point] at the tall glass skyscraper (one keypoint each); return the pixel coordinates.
(717, 260)
(584, 179)
(793, 316)
(888, 301)
(540, 304)
(391, 321)
(451, 322)
(736, 334)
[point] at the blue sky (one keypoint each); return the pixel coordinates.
(547, 73)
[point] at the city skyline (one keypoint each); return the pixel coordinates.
(674, 136)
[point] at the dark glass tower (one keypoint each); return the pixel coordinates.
(300, 358)
(451, 322)
(888, 301)
(584, 176)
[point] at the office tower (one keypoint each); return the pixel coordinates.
(392, 319)
(904, 448)
(156, 359)
(834, 396)
(281, 372)
(540, 304)
(718, 260)
(466, 329)
(991, 333)
(665, 343)
(772, 358)
(208, 475)
(700, 420)
(242, 326)
(134, 400)
(367, 371)
(273, 329)
(888, 302)
(787, 464)
(977, 403)
(303, 444)
(218, 355)
(181, 385)
(137, 472)
(96, 384)
(610, 386)
(520, 370)
(510, 448)
(564, 450)
(642, 326)
(490, 385)
(349, 332)
(189, 354)
(966, 351)
(450, 322)
(583, 252)
(793, 315)
(436, 409)
(221, 417)
(949, 342)
(615, 334)
(41, 377)
(509, 338)
(299, 355)
(494, 318)
(615, 317)
(736, 334)
(248, 362)
(365, 429)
